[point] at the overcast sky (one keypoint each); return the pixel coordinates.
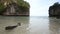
(40, 7)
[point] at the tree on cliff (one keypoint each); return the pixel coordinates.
(53, 8)
(5, 3)
(19, 2)
(2, 7)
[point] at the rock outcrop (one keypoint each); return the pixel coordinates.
(54, 10)
(14, 9)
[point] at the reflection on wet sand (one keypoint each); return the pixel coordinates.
(30, 25)
(7, 21)
(54, 26)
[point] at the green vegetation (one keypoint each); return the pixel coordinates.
(55, 6)
(1, 7)
(54, 9)
(19, 2)
(23, 3)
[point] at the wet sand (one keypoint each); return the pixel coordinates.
(30, 25)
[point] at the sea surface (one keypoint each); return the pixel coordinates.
(30, 25)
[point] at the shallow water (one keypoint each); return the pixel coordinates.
(30, 25)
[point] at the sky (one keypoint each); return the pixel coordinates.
(40, 7)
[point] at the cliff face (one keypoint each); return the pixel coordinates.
(16, 9)
(54, 10)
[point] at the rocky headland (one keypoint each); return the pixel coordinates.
(14, 8)
(54, 10)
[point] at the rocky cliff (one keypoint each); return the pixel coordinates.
(54, 10)
(16, 9)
